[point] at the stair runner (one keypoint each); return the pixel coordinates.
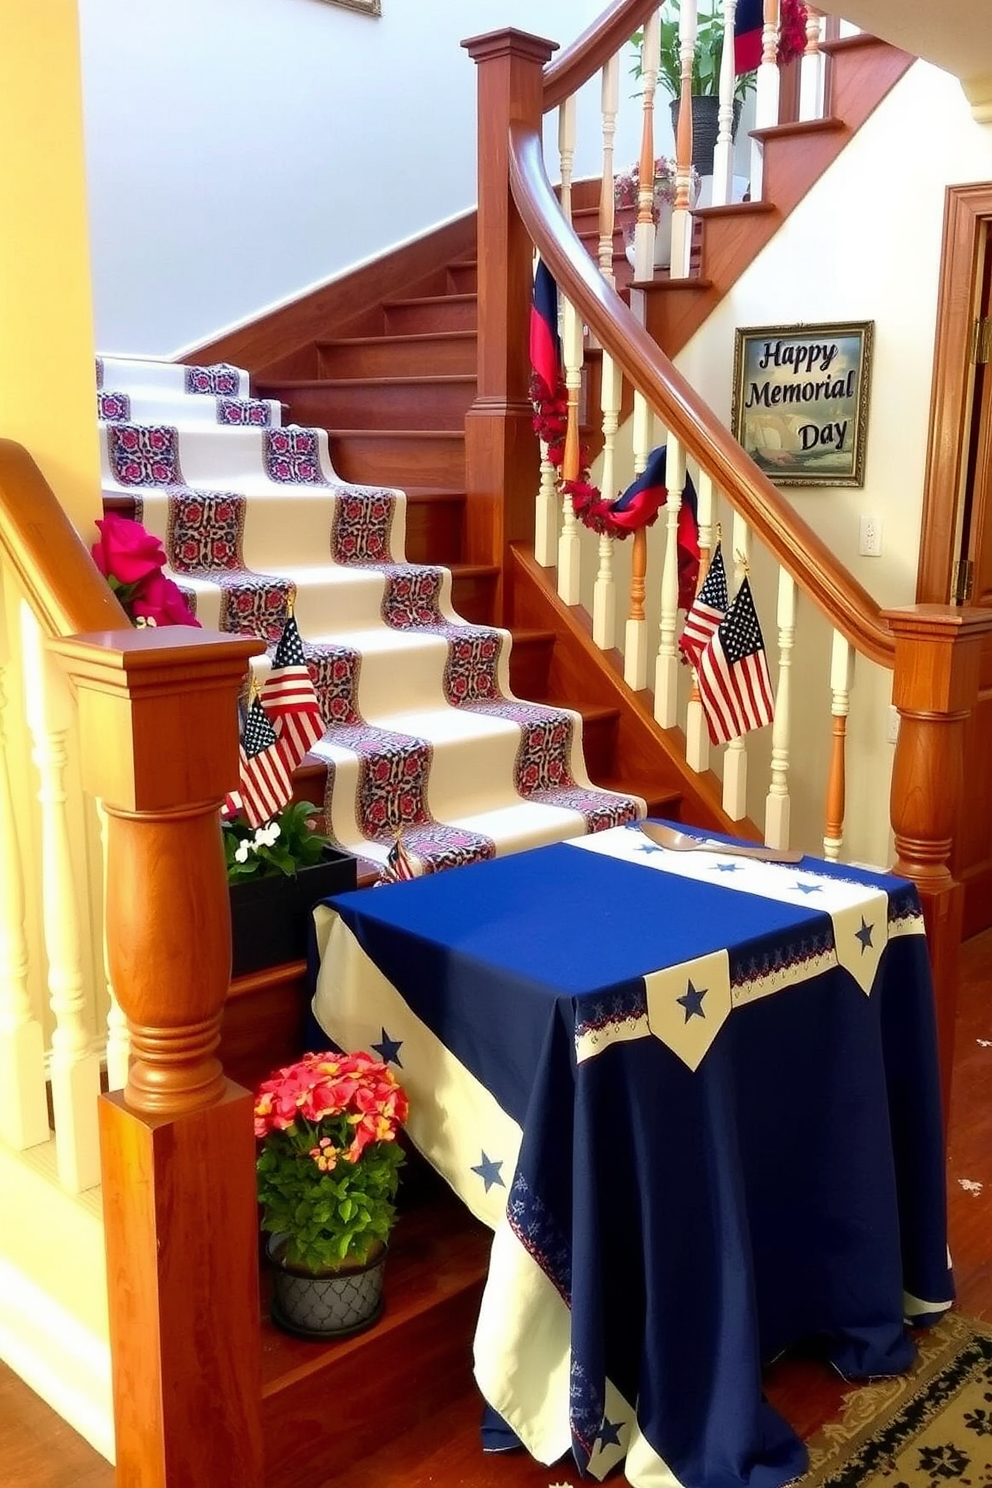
(423, 733)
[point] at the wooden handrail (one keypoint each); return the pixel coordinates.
(65, 590)
(847, 605)
(588, 53)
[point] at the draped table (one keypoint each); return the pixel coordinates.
(696, 1099)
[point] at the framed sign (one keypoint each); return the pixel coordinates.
(801, 401)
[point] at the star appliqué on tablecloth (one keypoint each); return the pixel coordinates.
(608, 1434)
(488, 1171)
(649, 847)
(388, 1050)
(692, 1001)
(728, 868)
(801, 888)
(864, 935)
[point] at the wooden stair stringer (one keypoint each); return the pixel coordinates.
(864, 71)
(580, 674)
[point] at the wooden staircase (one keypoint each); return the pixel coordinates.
(386, 362)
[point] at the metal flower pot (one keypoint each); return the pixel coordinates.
(327, 1304)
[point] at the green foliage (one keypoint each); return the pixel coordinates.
(327, 1217)
(286, 844)
(706, 58)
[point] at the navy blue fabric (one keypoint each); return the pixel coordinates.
(697, 1222)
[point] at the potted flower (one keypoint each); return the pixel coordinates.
(626, 187)
(328, 1169)
(132, 560)
(276, 873)
(706, 68)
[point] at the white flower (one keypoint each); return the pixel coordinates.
(241, 852)
(265, 836)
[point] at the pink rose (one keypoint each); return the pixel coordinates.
(160, 600)
(126, 550)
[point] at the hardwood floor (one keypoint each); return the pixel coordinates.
(38, 1450)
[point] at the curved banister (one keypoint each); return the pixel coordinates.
(66, 591)
(588, 53)
(848, 606)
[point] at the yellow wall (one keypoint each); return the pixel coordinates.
(46, 323)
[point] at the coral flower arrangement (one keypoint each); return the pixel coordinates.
(328, 1162)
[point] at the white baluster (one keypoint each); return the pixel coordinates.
(546, 513)
(777, 802)
(841, 681)
(23, 1107)
(635, 652)
(610, 100)
(75, 1068)
(569, 547)
(666, 673)
(767, 93)
(644, 230)
(723, 154)
(735, 755)
(604, 602)
(681, 215)
(118, 1034)
(811, 71)
(697, 738)
(566, 151)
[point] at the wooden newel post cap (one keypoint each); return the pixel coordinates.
(158, 727)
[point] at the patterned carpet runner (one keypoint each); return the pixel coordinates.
(423, 733)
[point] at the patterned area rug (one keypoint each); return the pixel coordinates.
(929, 1429)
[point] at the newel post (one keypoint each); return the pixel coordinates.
(501, 451)
(935, 686)
(158, 728)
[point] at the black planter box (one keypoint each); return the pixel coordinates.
(271, 917)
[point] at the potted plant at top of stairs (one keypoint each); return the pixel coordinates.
(328, 1169)
(706, 63)
(276, 873)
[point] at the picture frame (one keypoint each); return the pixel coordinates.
(800, 404)
(367, 7)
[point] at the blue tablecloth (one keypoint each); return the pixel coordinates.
(697, 1101)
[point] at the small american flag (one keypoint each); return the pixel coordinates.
(266, 786)
(400, 865)
(289, 697)
(732, 673)
(707, 610)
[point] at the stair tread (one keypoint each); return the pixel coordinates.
(734, 209)
(829, 125)
(396, 433)
(300, 383)
(389, 336)
(461, 297)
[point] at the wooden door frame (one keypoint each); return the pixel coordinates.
(966, 209)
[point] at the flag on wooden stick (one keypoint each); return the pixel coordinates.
(400, 864)
(289, 698)
(735, 688)
(266, 786)
(707, 610)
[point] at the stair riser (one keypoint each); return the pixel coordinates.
(396, 1378)
(463, 278)
(422, 356)
(432, 315)
(375, 405)
(530, 661)
(599, 746)
(434, 529)
(399, 459)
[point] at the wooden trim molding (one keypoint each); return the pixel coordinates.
(966, 209)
